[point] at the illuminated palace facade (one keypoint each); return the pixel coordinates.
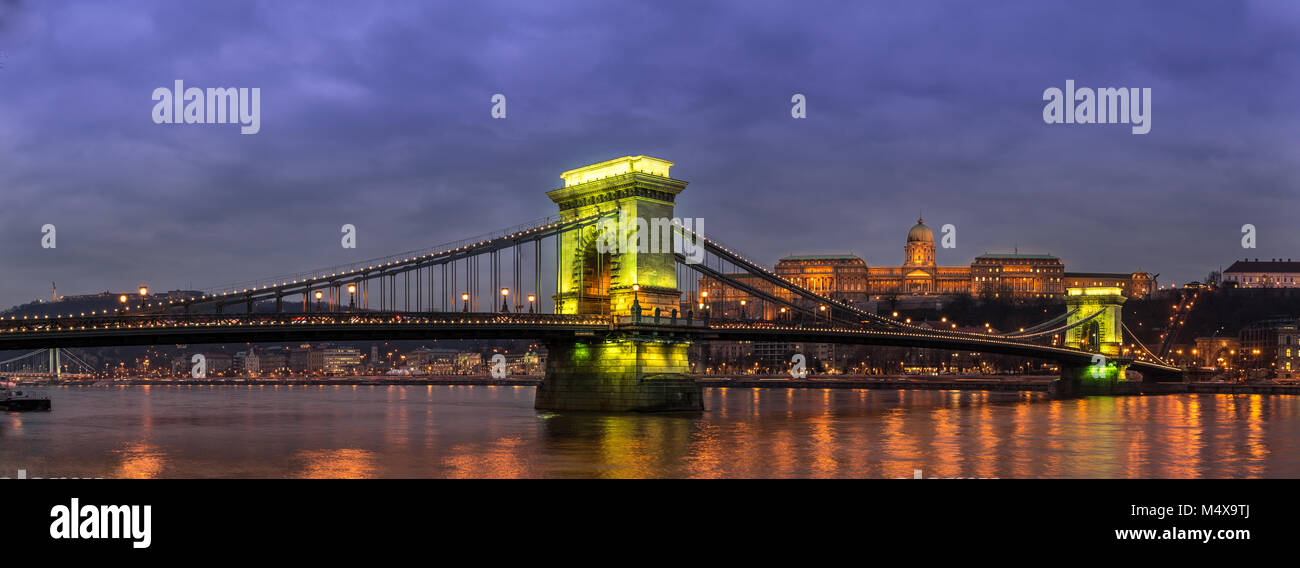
(995, 275)
(847, 277)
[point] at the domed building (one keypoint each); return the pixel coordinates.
(920, 245)
(919, 273)
(994, 275)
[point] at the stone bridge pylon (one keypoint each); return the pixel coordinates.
(603, 269)
(1103, 334)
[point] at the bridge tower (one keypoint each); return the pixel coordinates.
(606, 268)
(1103, 335)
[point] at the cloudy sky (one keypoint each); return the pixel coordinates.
(378, 114)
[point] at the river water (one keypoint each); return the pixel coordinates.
(485, 431)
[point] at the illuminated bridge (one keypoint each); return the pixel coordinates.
(622, 277)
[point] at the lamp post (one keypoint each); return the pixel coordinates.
(464, 297)
(319, 294)
(122, 300)
(532, 302)
(352, 296)
(783, 313)
(742, 310)
(144, 291)
(704, 300)
(505, 297)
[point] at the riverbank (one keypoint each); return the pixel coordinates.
(998, 384)
(345, 381)
(1031, 383)
(1036, 383)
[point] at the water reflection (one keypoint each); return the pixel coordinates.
(350, 463)
(424, 431)
(139, 460)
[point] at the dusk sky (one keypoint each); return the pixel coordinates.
(378, 114)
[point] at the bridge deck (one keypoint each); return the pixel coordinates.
(161, 329)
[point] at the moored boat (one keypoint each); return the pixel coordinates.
(18, 399)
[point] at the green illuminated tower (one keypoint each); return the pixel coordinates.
(604, 277)
(603, 269)
(1103, 335)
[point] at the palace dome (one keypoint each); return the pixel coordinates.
(920, 233)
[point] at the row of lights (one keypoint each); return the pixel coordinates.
(587, 321)
(352, 287)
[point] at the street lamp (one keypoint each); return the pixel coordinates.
(782, 313)
(505, 296)
(352, 296)
(742, 310)
(122, 299)
(464, 297)
(319, 295)
(532, 299)
(828, 315)
(144, 291)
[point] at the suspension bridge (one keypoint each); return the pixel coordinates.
(56, 363)
(623, 279)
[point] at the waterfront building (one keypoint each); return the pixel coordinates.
(338, 360)
(1288, 353)
(1217, 351)
(469, 363)
(1275, 273)
(273, 361)
(299, 358)
(1261, 345)
(247, 363)
(216, 364)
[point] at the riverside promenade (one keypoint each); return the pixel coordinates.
(1040, 383)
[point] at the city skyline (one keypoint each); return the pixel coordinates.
(368, 119)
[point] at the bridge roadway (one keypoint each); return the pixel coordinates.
(163, 329)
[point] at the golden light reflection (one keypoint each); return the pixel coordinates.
(140, 460)
(344, 463)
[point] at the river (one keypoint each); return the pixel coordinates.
(493, 431)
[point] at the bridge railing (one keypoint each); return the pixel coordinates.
(354, 318)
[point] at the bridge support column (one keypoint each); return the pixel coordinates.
(618, 375)
(1104, 379)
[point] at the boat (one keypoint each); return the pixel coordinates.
(17, 399)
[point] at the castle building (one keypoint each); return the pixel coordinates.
(848, 277)
(1017, 275)
(838, 276)
(996, 275)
